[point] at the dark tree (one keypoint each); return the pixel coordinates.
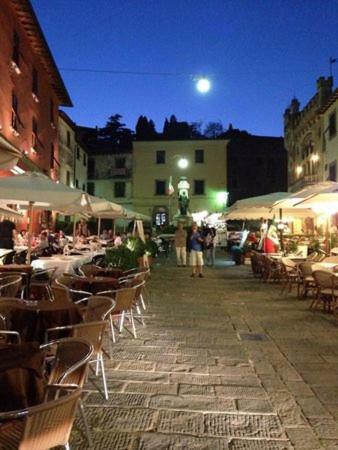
(145, 129)
(213, 130)
(116, 133)
(196, 130)
(173, 129)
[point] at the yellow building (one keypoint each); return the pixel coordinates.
(155, 163)
(72, 155)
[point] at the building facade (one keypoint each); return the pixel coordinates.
(305, 137)
(72, 154)
(330, 137)
(159, 165)
(257, 165)
(31, 89)
(109, 167)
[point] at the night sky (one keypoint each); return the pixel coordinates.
(257, 53)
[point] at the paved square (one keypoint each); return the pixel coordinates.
(223, 362)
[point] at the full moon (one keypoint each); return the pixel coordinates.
(203, 85)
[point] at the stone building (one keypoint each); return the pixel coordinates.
(202, 162)
(72, 154)
(330, 137)
(109, 168)
(31, 89)
(305, 136)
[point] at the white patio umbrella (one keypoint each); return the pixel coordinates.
(9, 213)
(37, 191)
(318, 191)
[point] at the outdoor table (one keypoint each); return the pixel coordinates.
(63, 264)
(21, 376)
(96, 284)
(113, 272)
(33, 319)
(327, 266)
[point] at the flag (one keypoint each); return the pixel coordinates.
(171, 189)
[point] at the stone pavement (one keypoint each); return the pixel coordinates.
(224, 362)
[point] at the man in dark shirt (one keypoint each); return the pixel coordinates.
(7, 234)
(195, 245)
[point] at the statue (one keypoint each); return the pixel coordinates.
(183, 196)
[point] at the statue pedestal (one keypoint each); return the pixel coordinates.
(187, 221)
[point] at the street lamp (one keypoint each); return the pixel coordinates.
(183, 163)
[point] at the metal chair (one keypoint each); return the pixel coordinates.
(10, 285)
(88, 270)
(290, 275)
(41, 280)
(24, 280)
(306, 280)
(69, 365)
(67, 281)
(92, 332)
(327, 290)
(43, 426)
(125, 299)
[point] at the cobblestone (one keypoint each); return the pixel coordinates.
(223, 363)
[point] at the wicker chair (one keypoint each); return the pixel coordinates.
(67, 282)
(88, 270)
(290, 275)
(10, 285)
(69, 367)
(41, 283)
(24, 280)
(270, 269)
(92, 332)
(60, 293)
(306, 281)
(327, 290)
(43, 426)
(125, 299)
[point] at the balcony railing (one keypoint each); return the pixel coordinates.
(304, 181)
(110, 173)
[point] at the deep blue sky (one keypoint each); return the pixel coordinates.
(260, 54)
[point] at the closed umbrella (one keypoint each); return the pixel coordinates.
(9, 154)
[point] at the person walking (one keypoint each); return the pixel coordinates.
(209, 246)
(180, 245)
(195, 243)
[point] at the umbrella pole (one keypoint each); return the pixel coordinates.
(30, 229)
(74, 229)
(98, 226)
(281, 230)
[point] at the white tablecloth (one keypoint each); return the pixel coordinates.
(328, 266)
(64, 264)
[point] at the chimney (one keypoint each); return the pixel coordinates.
(324, 89)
